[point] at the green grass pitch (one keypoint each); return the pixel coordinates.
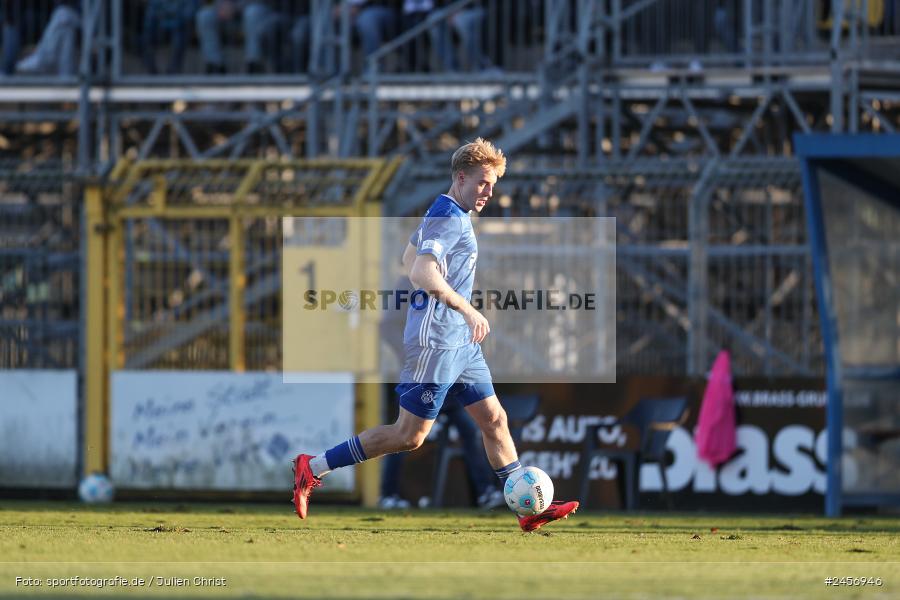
(264, 551)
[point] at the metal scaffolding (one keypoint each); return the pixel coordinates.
(611, 107)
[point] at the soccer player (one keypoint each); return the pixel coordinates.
(442, 340)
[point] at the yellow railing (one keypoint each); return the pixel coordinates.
(174, 246)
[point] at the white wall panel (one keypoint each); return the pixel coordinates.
(38, 428)
(224, 431)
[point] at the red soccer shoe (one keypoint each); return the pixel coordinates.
(554, 512)
(304, 482)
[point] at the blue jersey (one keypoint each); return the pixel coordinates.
(446, 233)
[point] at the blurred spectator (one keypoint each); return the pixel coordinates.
(12, 41)
(209, 21)
(374, 21)
(267, 25)
(799, 33)
(55, 52)
(173, 17)
(416, 51)
(262, 24)
(417, 55)
(468, 24)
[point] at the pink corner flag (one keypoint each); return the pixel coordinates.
(716, 428)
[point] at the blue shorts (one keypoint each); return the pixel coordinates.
(430, 375)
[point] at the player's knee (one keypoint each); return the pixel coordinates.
(496, 424)
(413, 440)
(408, 438)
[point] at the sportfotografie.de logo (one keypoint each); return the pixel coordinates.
(392, 300)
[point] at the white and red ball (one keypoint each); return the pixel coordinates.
(528, 491)
(96, 488)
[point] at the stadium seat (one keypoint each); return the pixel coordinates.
(654, 419)
(519, 411)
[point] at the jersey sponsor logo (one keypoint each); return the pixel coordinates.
(472, 258)
(427, 397)
(432, 245)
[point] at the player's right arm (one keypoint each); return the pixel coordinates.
(426, 275)
(409, 257)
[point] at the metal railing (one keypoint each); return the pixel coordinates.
(291, 41)
(40, 266)
(195, 265)
(705, 258)
(693, 33)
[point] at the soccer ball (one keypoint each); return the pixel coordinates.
(96, 488)
(348, 300)
(528, 491)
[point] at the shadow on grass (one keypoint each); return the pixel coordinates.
(181, 507)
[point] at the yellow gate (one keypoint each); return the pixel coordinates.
(183, 270)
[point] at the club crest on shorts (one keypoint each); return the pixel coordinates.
(427, 397)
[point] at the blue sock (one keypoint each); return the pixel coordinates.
(504, 472)
(345, 454)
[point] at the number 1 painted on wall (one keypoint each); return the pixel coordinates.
(310, 269)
